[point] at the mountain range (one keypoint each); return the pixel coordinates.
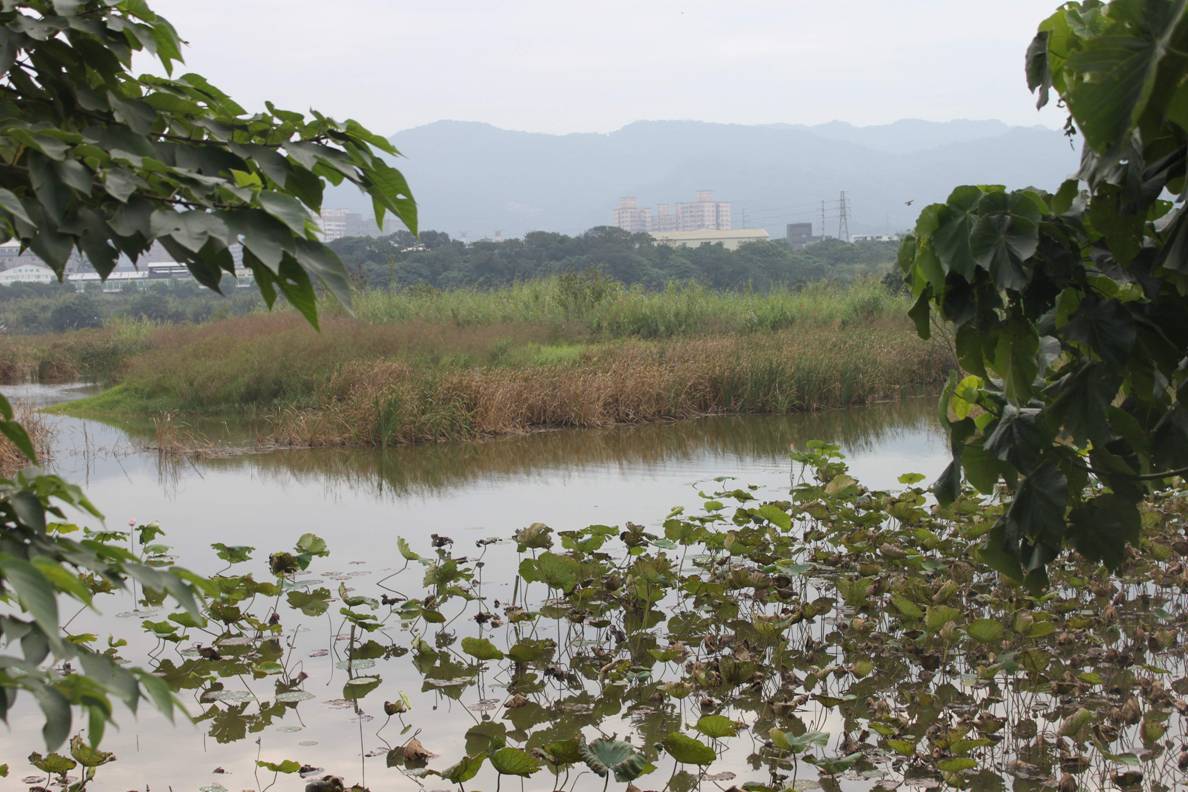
(473, 179)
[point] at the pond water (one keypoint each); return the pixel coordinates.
(567, 479)
(360, 501)
(664, 627)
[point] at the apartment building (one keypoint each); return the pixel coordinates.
(339, 223)
(630, 217)
(703, 213)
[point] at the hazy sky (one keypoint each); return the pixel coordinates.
(564, 66)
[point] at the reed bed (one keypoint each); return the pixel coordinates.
(95, 355)
(607, 309)
(427, 366)
(40, 433)
(390, 402)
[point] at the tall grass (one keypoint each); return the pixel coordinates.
(577, 351)
(40, 433)
(82, 355)
(390, 402)
(609, 310)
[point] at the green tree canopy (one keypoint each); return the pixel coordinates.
(96, 159)
(1070, 309)
(101, 160)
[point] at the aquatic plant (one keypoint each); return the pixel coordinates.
(825, 636)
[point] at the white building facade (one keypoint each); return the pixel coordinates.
(703, 213)
(27, 273)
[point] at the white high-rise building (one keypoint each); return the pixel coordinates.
(702, 214)
(338, 223)
(630, 217)
(667, 218)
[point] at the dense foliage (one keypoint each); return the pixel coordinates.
(1070, 308)
(436, 260)
(103, 161)
(402, 263)
(107, 162)
(29, 308)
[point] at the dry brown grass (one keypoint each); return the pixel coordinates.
(270, 359)
(97, 355)
(173, 435)
(40, 433)
(514, 366)
(389, 402)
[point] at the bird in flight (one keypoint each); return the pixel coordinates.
(909, 203)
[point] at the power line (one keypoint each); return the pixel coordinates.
(843, 221)
(823, 214)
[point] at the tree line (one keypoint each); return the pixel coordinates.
(435, 260)
(401, 260)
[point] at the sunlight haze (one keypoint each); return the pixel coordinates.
(570, 67)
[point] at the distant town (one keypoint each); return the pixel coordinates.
(23, 266)
(701, 221)
(706, 221)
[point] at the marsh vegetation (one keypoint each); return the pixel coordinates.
(567, 352)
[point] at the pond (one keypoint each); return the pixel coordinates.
(654, 610)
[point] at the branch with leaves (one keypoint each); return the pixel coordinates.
(1070, 309)
(98, 161)
(107, 163)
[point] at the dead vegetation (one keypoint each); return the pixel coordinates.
(40, 432)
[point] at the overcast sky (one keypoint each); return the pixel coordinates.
(567, 66)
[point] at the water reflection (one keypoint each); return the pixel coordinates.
(726, 440)
(361, 500)
(568, 479)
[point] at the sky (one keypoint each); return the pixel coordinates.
(566, 66)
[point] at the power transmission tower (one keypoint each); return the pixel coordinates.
(843, 220)
(822, 219)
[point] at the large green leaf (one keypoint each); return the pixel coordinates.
(604, 756)
(287, 209)
(53, 763)
(1015, 359)
(1116, 71)
(798, 743)
(558, 571)
(1006, 235)
(34, 590)
(937, 616)
(985, 630)
(310, 603)
(1037, 511)
(529, 650)
(285, 766)
(485, 737)
(191, 229)
(56, 711)
(1105, 328)
(514, 761)
(951, 239)
(481, 648)
(776, 516)
(717, 726)
(687, 750)
(1102, 527)
(465, 769)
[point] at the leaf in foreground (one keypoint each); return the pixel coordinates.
(513, 761)
(688, 750)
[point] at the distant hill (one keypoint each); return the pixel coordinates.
(472, 179)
